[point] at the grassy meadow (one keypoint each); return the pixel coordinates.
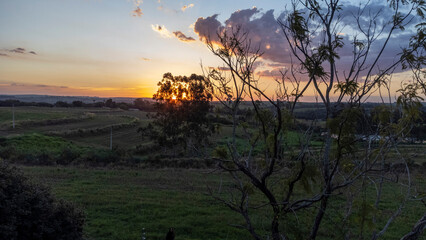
(125, 203)
(129, 201)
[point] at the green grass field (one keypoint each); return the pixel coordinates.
(32, 113)
(124, 203)
(121, 204)
(68, 121)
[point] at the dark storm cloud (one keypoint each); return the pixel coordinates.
(182, 37)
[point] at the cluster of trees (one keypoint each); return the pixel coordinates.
(139, 103)
(10, 103)
(180, 121)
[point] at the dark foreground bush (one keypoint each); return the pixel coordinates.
(29, 211)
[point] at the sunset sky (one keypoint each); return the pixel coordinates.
(121, 48)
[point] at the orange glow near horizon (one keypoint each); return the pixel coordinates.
(146, 90)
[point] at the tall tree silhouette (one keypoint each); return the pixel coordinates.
(182, 106)
(281, 180)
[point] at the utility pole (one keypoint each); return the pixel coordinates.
(110, 140)
(13, 116)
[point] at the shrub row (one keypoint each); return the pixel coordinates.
(95, 131)
(68, 156)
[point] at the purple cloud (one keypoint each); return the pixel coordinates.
(207, 28)
(264, 32)
(18, 50)
(182, 37)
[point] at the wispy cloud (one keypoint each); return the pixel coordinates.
(17, 84)
(220, 68)
(19, 50)
(276, 72)
(162, 30)
(4, 55)
(182, 37)
(145, 59)
(185, 7)
(138, 11)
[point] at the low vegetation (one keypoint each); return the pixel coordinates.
(30, 211)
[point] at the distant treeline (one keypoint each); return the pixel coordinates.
(139, 103)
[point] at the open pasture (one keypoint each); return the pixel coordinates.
(131, 203)
(84, 126)
(124, 204)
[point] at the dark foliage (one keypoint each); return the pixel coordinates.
(109, 103)
(29, 211)
(77, 104)
(144, 105)
(170, 234)
(62, 104)
(17, 103)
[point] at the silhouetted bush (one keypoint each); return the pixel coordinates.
(77, 104)
(29, 211)
(67, 156)
(124, 106)
(61, 104)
